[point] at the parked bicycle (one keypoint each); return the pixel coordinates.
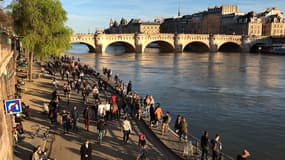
(41, 132)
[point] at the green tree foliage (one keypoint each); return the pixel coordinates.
(41, 25)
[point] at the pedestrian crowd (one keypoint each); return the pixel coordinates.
(101, 102)
(123, 102)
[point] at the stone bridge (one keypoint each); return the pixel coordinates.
(171, 42)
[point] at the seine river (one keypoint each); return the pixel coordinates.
(240, 96)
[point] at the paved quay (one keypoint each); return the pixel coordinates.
(66, 146)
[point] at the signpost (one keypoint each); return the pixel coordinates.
(13, 106)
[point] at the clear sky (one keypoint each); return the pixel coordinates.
(87, 15)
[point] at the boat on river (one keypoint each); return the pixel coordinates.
(278, 49)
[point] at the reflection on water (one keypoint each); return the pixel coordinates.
(240, 96)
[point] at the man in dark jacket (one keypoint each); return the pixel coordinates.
(64, 120)
(129, 87)
(101, 127)
(86, 150)
(74, 117)
(205, 145)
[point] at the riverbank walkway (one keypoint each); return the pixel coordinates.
(61, 146)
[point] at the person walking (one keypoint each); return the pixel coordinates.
(216, 148)
(184, 129)
(55, 84)
(129, 87)
(152, 115)
(101, 127)
(95, 109)
(113, 99)
(165, 123)
(86, 150)
(84, 94)
(95, 92)
(115, 114)
(158, 114)
(78, 85)
(142, 141)
(205, 145)
(177, 125)
(86, 115)
(143, 154)
(64, 121)
(147, 106)
(127, 128)
(74, 114)
(52, 114)
(68, 88)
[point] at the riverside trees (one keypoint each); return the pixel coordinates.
(40, 25)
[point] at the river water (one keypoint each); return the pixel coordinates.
(240, 96)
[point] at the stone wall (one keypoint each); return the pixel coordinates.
(7, 83)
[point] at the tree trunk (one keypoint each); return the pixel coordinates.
(30, 65)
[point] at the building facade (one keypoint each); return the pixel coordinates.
(242, 24)
(133, 26)
(224, 19)
(199, 23)
(272, 22)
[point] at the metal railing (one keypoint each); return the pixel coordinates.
(197, 143)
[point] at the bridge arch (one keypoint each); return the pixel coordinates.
(196, 46)
(229, 47)
(91, 47)
(162, 46)
(119, 47)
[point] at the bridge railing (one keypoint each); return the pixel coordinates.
(195, 36)
(228, 37)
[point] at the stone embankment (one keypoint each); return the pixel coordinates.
(7, 83)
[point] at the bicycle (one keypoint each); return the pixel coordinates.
(40, 131)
